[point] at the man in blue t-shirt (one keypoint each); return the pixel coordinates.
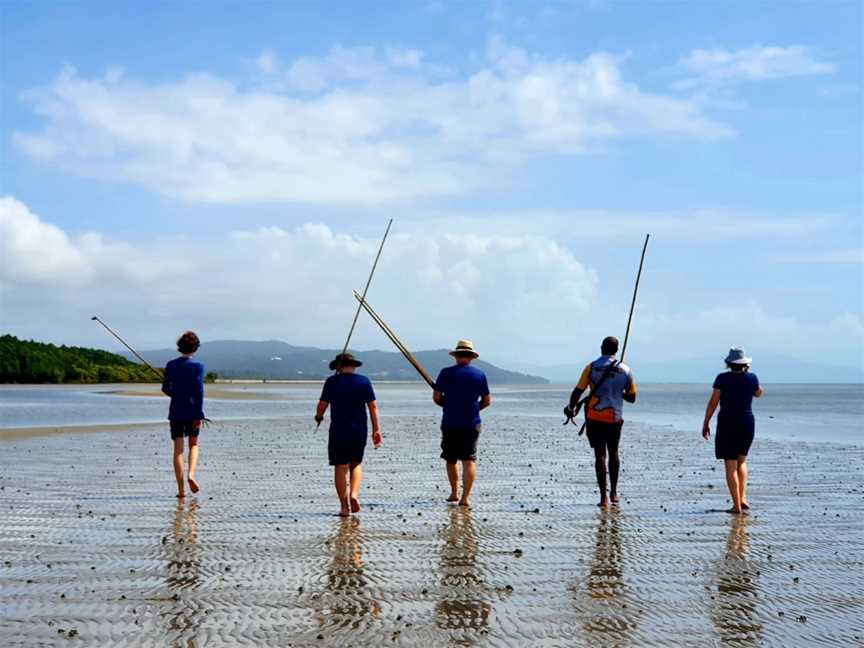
(462, 391)
(348, 394)
(184, 383)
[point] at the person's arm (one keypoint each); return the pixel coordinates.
(485, 401)
(166, 383)
(376, 424)
(630, 392)
(198, 394)
(709, 412)
(319, 411)
(759, 392)
(438, 391)
(438, 398)
(578, 390)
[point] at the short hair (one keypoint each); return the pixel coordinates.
(609, 346)
(188, 342)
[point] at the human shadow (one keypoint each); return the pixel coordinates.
(183, 556)
(734, 589)
(462, 607)
(603, 600)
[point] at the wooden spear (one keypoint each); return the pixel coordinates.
(395, 340)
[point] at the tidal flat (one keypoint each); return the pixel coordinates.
(97, 551)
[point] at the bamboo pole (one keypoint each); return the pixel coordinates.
(126, 344)
(396, 341)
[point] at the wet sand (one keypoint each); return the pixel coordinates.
(97, 551)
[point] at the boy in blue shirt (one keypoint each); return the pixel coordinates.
(184, 383)
(461, 391)
(349, 394)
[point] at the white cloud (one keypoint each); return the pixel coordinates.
(755, 63)
(354, 126)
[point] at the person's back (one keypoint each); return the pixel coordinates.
(348, 394)
(737, 389)
(610, 385)
(463, 386)
(184, 383)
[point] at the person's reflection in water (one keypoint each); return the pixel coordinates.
(348, 602)
(461, 608)
(733, 595)
(184, 566)
(602, 599)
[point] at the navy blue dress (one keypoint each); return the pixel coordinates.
(736, 425)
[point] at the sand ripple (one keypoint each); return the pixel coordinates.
(95, 548)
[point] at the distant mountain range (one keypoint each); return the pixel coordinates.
(770, 367)
(275, 360)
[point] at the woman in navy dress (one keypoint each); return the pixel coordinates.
(734, 391)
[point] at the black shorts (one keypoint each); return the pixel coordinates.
(459, 444)
(180, 429)
(345, 453)
(601, 433)
(734, 436)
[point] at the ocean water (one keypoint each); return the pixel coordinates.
(800, 412)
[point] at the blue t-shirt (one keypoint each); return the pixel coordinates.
(348, 394)
(184, 383)
(463, 386)
(737, 389)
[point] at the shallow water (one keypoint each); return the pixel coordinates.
(94, 544)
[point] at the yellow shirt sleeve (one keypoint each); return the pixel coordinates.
(585, 379)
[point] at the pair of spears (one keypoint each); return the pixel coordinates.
(570, 419)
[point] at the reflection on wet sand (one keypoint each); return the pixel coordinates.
(733, 606)
(184, 573)
(461, 607)
(349, 601)
(602, 598)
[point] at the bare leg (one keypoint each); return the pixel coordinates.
(340, 479)
(600, 470)
(453, 478)
(193, 463)
(356, 477)
(178, 467)
(742, 482)
(614, 467)
(469, 474)
(732, 482)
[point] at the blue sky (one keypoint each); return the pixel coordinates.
(229, 167)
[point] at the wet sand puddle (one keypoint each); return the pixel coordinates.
(97, 551)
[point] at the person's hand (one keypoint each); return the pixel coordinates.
(377, 439)
(318, 419)
(197, 425)
(706, 431)
(568, 412)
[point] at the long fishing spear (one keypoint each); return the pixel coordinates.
(357, 313)
(395, 340)
(626, 334)
(128, 346)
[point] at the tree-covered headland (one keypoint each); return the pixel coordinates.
(26, 361)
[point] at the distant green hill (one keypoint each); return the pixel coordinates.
(25, 361)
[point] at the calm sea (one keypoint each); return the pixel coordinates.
(817, 412)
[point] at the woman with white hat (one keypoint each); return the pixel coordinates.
(734, 391)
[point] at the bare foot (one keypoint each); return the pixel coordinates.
(355, 505)
(193, 485)
(453, 497)
(465, 503)
(344, 513)
(734, 511)
(181, 495)
(745, 506)
(604, 503)
(615, 499)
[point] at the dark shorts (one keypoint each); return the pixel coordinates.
(346, 451)
(459, 444)
(734, 437)
(601, 433)
(180, 429)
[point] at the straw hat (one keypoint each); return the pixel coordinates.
(737, 356)
(465, 347)
(344, 360)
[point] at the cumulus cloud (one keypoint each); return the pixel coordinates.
(755, 63)
(357, 125)
(292, 284)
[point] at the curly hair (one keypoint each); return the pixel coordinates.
(188, 342)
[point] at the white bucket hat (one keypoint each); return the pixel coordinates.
(464, 346)
(737, 356)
